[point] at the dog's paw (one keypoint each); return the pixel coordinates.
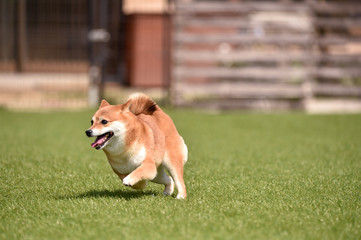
(128, 181)
(180, 196)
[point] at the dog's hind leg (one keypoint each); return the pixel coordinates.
(163, 178)
(174, 165)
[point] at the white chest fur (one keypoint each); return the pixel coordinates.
(127, 162)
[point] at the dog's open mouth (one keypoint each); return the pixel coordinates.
(101, 140)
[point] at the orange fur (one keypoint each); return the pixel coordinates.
(141, 103)
(145, 142)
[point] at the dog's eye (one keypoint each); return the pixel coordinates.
(104, 122)
(91, 122)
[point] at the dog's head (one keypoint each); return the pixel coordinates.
(111, 122)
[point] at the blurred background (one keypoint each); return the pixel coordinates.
(260, 55)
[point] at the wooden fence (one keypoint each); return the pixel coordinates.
(267, 55)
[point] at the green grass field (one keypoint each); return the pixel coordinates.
(249, 176)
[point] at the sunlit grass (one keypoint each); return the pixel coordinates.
(249, 176)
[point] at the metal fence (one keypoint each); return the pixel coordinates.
(43, 57)
(60, 53)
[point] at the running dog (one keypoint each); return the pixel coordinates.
(140, 142)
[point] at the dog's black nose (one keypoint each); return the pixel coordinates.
(89, 132)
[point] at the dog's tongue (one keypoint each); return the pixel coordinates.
(98, 141)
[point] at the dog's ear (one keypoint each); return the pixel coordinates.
(126, 106)
(104, 103)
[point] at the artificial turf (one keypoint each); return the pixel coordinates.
(249, 176)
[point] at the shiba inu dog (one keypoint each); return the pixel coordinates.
(140, 142)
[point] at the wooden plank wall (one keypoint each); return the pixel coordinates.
(337, 75)
(263, 55)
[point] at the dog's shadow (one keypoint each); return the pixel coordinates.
(122, 194)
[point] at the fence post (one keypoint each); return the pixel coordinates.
(94, 86)
(20, 38)
(311, 66)
(98, 36)
(167, 46)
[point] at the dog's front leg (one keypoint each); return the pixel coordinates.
(146, 171)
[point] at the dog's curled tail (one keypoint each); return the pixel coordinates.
(141, 103)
